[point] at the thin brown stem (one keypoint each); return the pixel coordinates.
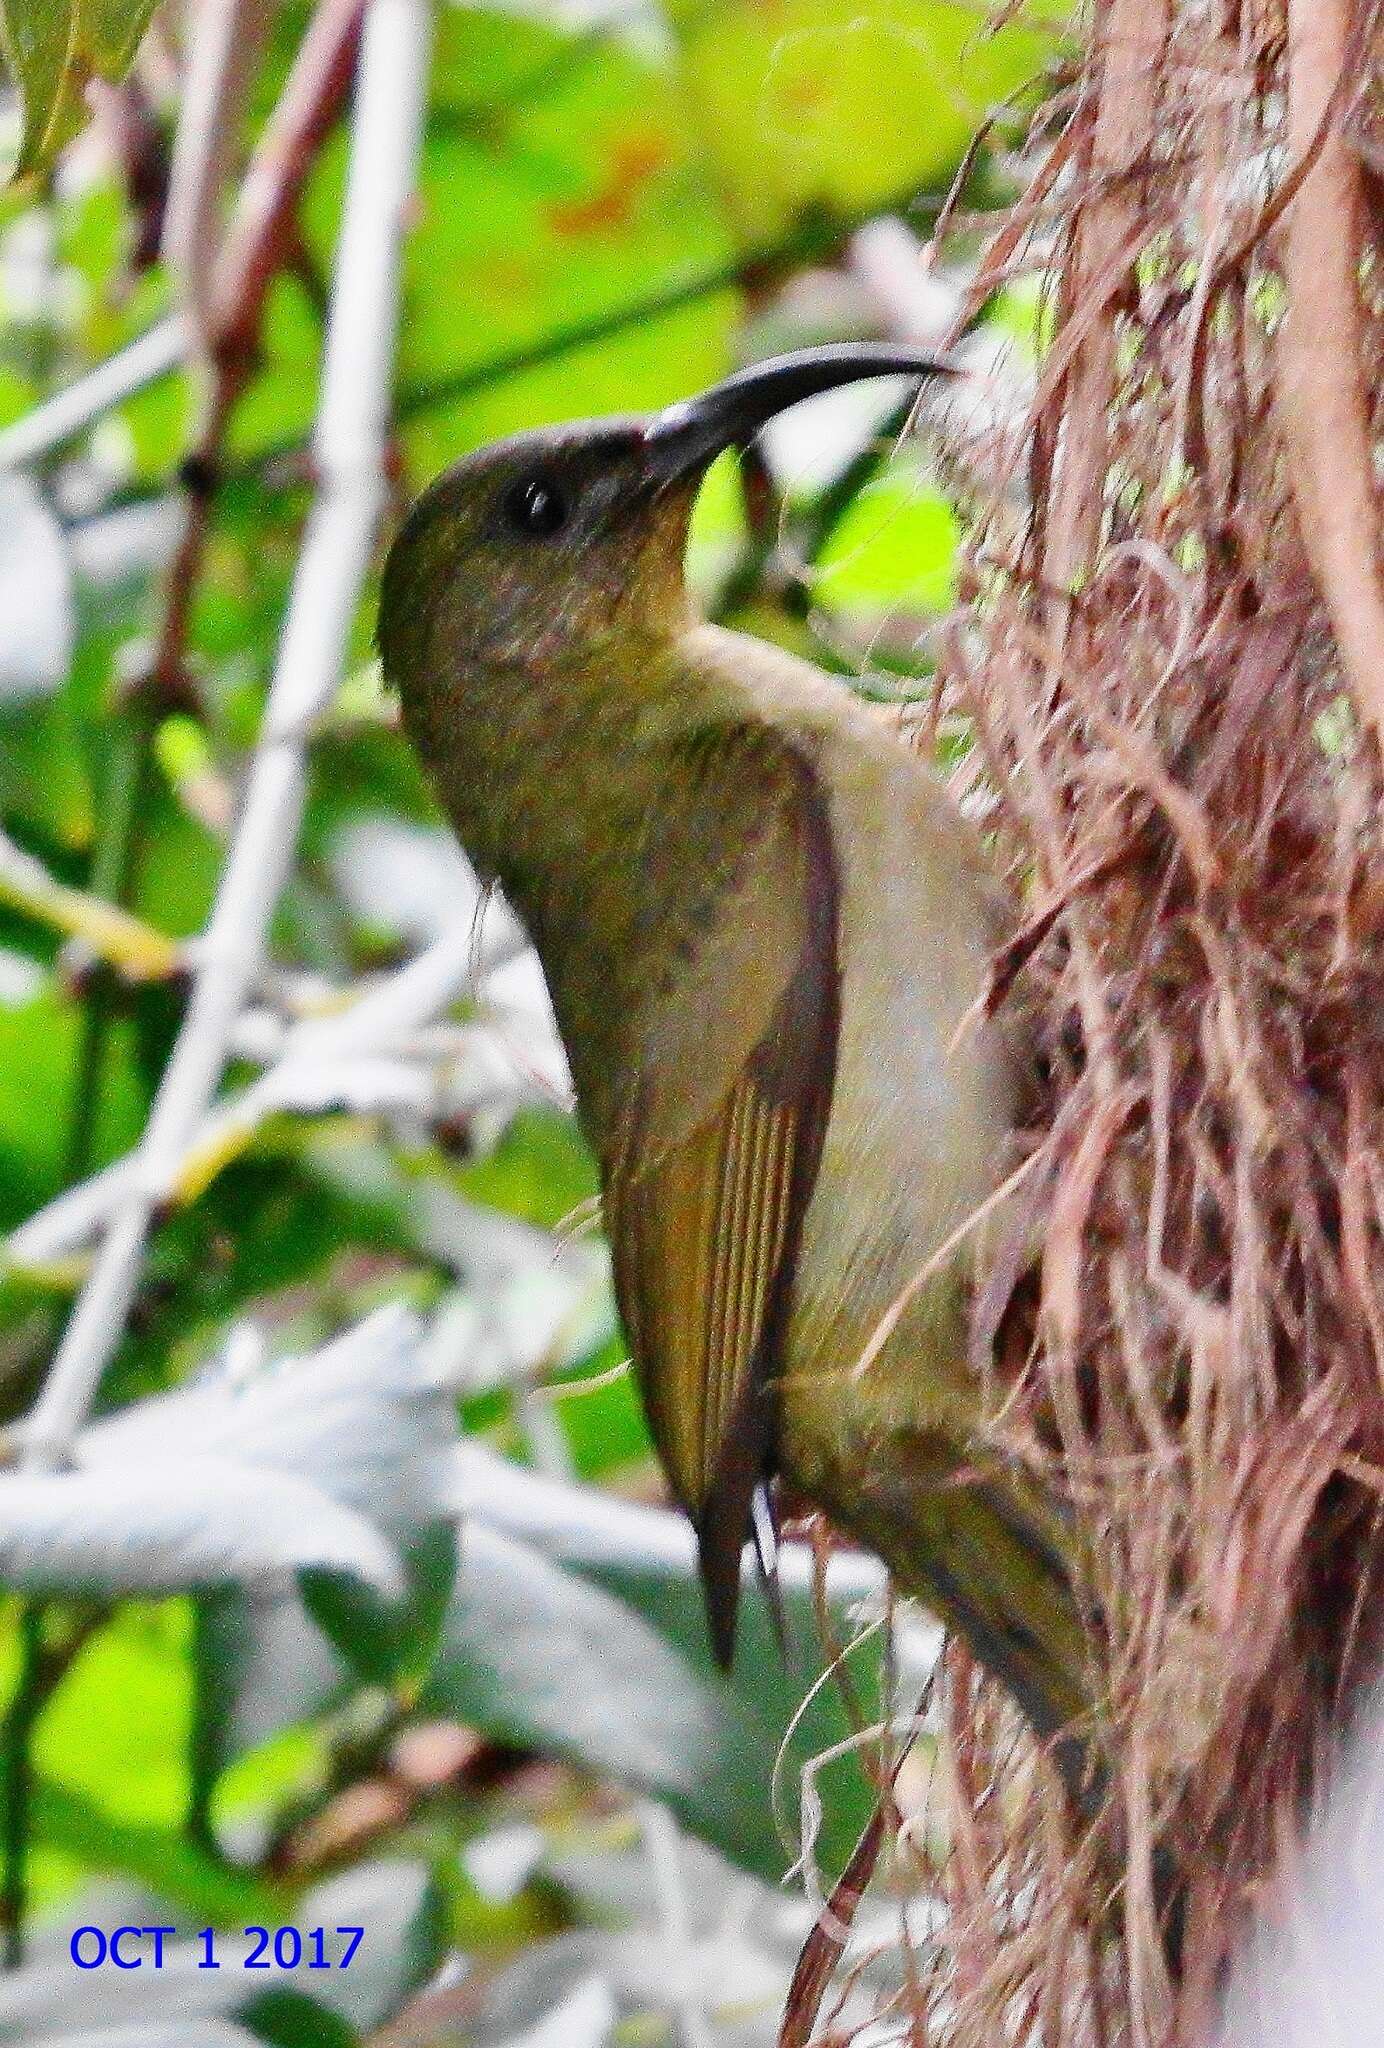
(1321, 386)
(258, 243)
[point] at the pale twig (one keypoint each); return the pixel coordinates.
(125, 942)
(348, 450)
(234, 287)
(60, 419)
(256, 245)
(250, 254)
(663, 1853)
(71, 1219)
(224, 39)
(377, 1023)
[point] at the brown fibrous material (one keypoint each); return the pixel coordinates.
(1171, 654)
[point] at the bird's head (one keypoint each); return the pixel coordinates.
(534, 549)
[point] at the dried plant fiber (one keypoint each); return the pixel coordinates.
(1171, 652)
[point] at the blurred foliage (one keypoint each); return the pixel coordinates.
(52, 48)
(612, 209)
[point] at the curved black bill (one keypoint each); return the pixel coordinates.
(692, 433)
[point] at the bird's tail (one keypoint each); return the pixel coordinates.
(996, 1566)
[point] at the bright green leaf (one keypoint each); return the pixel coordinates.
(40, 1050)
(167, 1862)
(895, 547)
(823, 104)
(53, 47)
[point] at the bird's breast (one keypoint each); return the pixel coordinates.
(923, 1104)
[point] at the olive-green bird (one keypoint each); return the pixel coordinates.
(765, 930)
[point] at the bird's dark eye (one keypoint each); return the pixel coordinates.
(536, 506)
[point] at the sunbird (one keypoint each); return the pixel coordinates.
(766, 931)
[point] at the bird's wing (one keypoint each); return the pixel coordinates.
(717, 1147)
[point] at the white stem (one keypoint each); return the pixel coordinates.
(663, 1849)
(160, 349)
(385, 1020)
(348, 450)
(73, 1218)
(395, 1003)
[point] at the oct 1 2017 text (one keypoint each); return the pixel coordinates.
(266, 1948)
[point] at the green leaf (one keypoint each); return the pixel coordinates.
(43, 775)
(288, 2019)
(894, 547)
(385, 1640)
(536, 1656)
(824, 104)
(540, 1171)
(171, 1866)
(40, 1050)
(53, 47)
(115, 1732)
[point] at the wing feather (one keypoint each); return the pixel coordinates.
(706, 1187)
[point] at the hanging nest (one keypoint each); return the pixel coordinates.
(1171, 655)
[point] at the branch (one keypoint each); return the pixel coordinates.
(230, 304)
(250, 254)
(223, 40)
(377, 1025)
(114, 935)
(1321, 383)
(348, 448)
(42, 432)
(254, 246)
